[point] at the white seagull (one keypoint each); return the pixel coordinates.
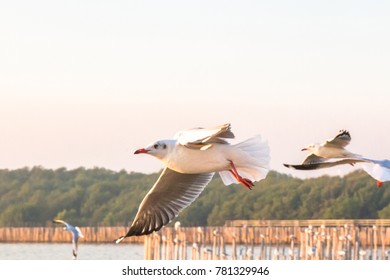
(76, 233)
(190, 160)
(333, 148)
(324, 155)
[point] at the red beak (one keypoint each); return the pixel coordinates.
(304, 149)
(141, 151)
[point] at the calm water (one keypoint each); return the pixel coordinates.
(90, 251)
(63, 251)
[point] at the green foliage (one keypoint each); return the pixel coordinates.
(102, 197)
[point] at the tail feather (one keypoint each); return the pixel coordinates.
(227, 178)
(251, 158)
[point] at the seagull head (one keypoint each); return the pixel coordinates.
(157, 149)
(311, 148)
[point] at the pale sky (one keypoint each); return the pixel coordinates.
(86, 83)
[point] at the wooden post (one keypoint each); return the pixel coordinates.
(269, 238)
(199, 234)
(291, 250)
(276, 250)
(177, 240)
(383, 232)
(308, 244)
(335, 244)
(164, 247)
(328, 245)
(363, 243)
(184, 249)
(252, 243)
(347, 238)
(234, 249)
(303, 246)
(146, 248)
(262, 247)
(156, 246)
(223, 254)
(375, 230)
(215, 238)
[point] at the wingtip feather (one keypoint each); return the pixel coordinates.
(117, 241)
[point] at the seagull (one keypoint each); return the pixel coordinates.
(76, 233)
(191, 158)
(323, 155)
(332, 148)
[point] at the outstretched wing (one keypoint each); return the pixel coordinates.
(61, 222)
(171, 193)
(80, 234)
(203, 138)
(313, 159)
(323, 164)
(340, 140)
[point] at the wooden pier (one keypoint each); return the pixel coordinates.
(262, 239)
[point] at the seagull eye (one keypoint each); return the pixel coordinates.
(155, 146)
(164, 146)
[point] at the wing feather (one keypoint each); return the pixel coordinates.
(60, 222)
(203, 138)
(323, 164)
(340, 140)
(171, 193)
(313, 159)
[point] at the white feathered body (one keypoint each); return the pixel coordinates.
(251, 159)
(333, 152)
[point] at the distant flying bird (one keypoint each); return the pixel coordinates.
(332, 148)
(323, 155)
(76, 233)
(191, 159)
(332, 153)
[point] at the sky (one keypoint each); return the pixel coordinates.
(86, 83)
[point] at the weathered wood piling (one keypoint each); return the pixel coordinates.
(238, 240)
(281, 240)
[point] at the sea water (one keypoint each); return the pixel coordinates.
(63, 251)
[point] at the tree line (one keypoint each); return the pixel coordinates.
(98, 196)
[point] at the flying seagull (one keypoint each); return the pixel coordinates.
(76, 233)
(332, 148)
(332, 152)
(190, 160)
(324, 155)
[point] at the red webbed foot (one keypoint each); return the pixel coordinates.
(243, 181)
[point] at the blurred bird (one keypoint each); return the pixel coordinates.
(332, 153)
(191, 159)
(321, 155)
(379, 170)
(333, 148)
(76, 233)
